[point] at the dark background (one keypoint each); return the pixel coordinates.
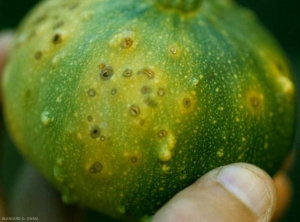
(282, 18)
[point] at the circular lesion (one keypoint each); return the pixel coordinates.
(127, 42)
(96, 168)
(106, 71)
(134, 110)
(95, 131)
(162, 133)
(127, 73)
(255, 101)
(186, 102)
(91, 92)
(57, 38)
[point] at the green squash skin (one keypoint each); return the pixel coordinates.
(207, 88)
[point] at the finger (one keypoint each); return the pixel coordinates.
(289, 161)
(5, 45)
(3, 210)
(236, 192)
(284, 194)
(33, 196)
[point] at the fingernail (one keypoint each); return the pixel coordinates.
(247, 186)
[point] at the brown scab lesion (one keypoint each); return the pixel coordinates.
(38, 55)
(90, 118)
(96, 168)
(127, 73)
(127, 42)
(161, 92)
(145, 90)
(173, 50)
(106, 71)
(147, 72)
(91, 93)
(150, 102)
(57, 38)
(187, 102)
(134, 110)
(114, 91)
(134, 159)
(162, 133)
(95, 131)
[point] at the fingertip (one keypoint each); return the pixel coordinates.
(6, 38)
(252, 186)
(284, 194)
(236, 192)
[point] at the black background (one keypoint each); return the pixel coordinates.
(282, 18)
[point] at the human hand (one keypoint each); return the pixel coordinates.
(234, 192)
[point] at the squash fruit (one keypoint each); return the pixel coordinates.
(122, 104)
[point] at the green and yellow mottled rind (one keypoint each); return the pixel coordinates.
(204, 88)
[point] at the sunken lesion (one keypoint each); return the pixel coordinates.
(106, 71)
(97, 167)
(57, 38)
(134, 110)
(127, 73)
(127, 42)
(95, 131)
(147, 72)
(186, 103)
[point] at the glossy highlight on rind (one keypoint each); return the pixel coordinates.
(122, 104)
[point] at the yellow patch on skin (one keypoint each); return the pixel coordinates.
(125, 39)
(46, 120)
(286, 84)
(165, 167)
(183, 177)
(220, 152)
(166, 146)
(279, 72)
(255, 101)
(186, 102)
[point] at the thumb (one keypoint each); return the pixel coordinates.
(5, 45)
(236, 192)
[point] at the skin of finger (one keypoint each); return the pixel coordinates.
(33, 196)
(208, 200)
(6, 38)
(3, 210)
(284, 194)
(289, 161)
